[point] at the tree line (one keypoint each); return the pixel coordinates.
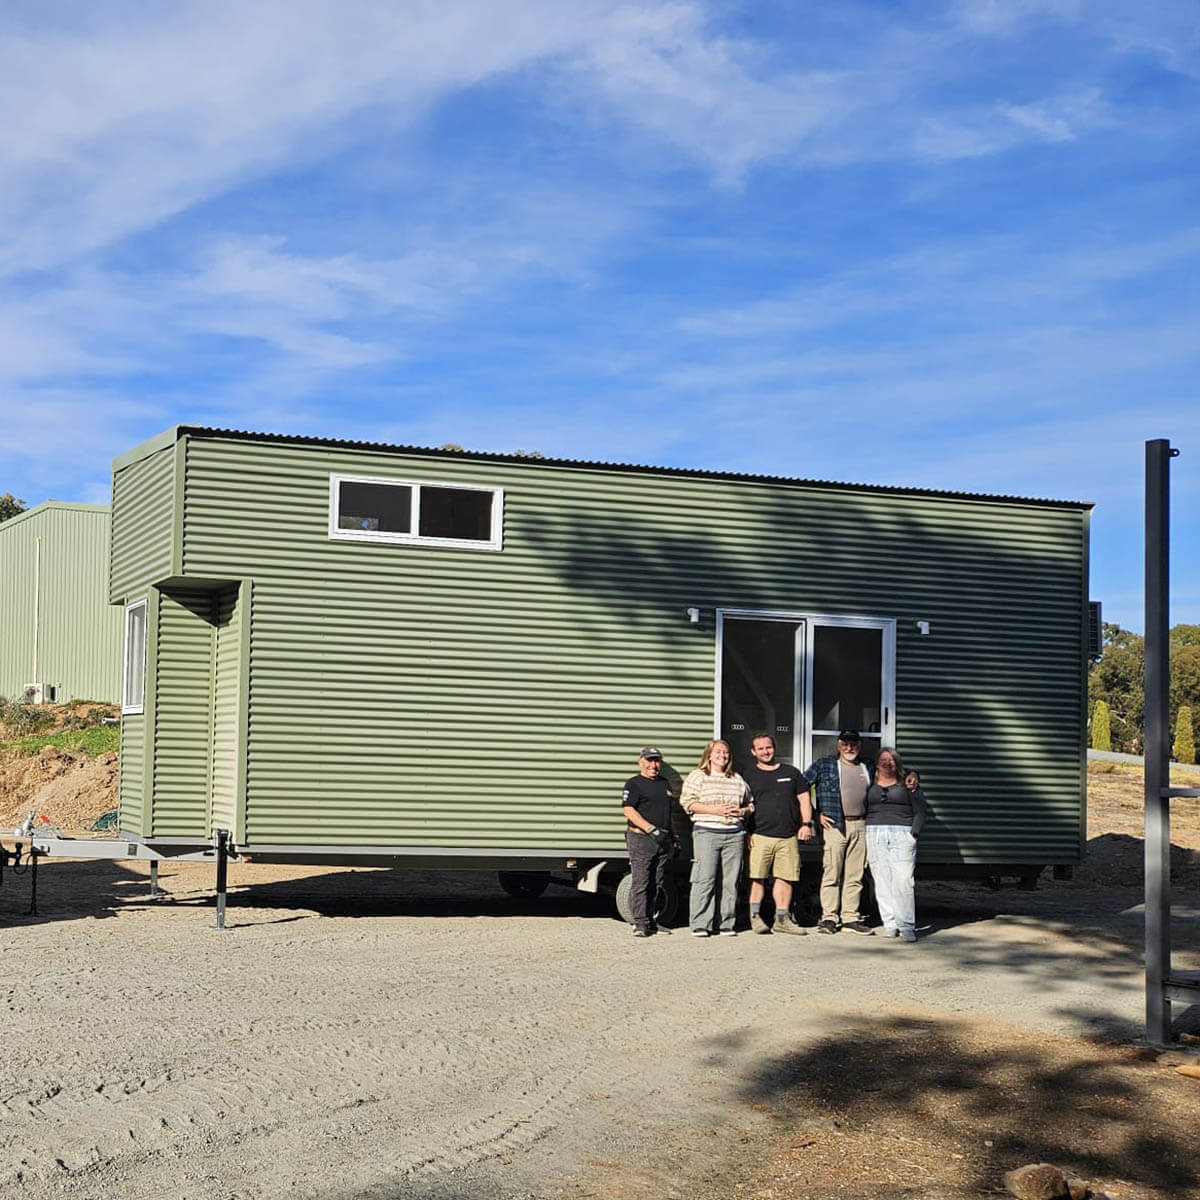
(1116, 703)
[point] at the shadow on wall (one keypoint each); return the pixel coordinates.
(1094, 1113)
(982, 595)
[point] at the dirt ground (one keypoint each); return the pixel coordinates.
(375, 1034)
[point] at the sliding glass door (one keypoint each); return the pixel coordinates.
(803, 678)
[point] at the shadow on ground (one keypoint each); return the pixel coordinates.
(409, 893)
(1097, 1112)
(69, 891)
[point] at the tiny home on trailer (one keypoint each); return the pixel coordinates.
(348, 651)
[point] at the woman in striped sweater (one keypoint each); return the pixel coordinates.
(717, 799)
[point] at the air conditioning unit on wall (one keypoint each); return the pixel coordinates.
(38, 693)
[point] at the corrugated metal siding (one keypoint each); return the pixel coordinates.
(79, 633)
(183, 710)
(132, 779)
(226, 712)
(410, 696)
(143, 525)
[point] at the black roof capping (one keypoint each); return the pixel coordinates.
(201, 431)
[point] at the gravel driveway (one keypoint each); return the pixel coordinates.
(385, 1034)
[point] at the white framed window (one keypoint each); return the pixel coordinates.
(367, 508)
(133, 688)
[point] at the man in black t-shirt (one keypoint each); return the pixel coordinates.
(781, 819)
(646, 803)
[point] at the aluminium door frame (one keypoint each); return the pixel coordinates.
(804, 667)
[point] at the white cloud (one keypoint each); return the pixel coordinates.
(107, 132)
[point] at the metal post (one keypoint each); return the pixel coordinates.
(222, 874)
(154, 892)
(1156, 747)
(33, 857)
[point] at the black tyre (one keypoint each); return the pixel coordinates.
(665, 908)
(524, 885)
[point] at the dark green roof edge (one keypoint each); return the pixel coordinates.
(153, 445)
(201, 431)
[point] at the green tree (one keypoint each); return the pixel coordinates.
(1117, 680)
(10, 506)
(1101, 734)
(1185, 737)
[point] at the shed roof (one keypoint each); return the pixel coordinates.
(48, 506)
(169, 436)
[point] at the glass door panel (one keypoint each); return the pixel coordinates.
(847, 687)
(759, 685)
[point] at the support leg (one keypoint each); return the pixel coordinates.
(155, 894)
(33, 859)
(222, 874)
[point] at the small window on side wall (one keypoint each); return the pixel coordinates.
(459, 516)
(133, 688)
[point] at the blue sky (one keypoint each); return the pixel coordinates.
(951, 245)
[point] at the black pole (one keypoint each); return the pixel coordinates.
(1156, 741)
(222, 874)
(33, 859)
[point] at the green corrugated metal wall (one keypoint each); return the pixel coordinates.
(183, 705)
(225, 788)
(143, 528)
(408, 696)
(143, 541)
(54, 578)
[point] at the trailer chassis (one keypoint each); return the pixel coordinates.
(51, 843)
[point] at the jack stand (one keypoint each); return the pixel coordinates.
(155, 894)
(222, 874)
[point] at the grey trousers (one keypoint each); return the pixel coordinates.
(843, 860)
(648, 866)
(716, 860)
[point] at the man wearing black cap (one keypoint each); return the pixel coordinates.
(842, 781)
(646, 803)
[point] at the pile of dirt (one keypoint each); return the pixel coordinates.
(68, 790)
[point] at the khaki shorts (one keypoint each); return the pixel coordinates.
(774, 858)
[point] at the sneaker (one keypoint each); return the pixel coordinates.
(640, 931)
(758, 925)
(786, 923)
(909, 935)
(860, 927)
(699, 933)
(889, 931)
(729, 933)
(827, 927)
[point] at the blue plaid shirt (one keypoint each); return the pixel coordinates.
(824, 773)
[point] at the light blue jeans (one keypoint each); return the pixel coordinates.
(892, 855)
(715, 854)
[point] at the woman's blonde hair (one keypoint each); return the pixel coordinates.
(706, 757)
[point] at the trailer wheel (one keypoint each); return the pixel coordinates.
(665, 908)
(524, 885)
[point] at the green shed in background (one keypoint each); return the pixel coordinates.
(59, 637)
(347, 649)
